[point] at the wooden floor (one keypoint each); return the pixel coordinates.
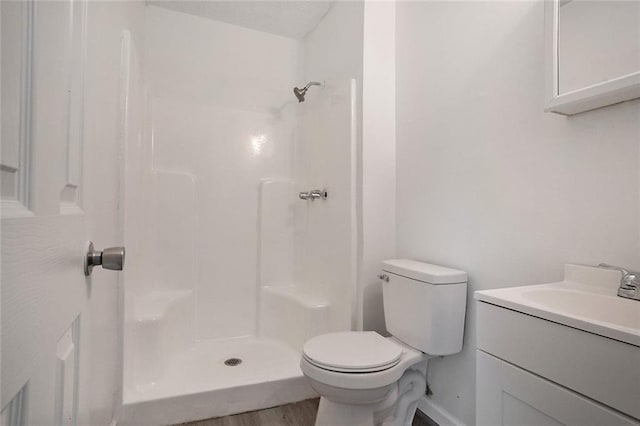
(298, 414)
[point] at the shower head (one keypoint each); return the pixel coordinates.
(300, 93)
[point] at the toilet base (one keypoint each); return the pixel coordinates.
(396, 409)
(330, 413)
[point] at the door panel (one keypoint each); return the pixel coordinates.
(43, 292)
(65, 113)
(44, 230)
(16, 83)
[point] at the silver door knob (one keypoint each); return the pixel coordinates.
(110, 258)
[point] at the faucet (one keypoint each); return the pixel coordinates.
(629, 282)
(314, 194)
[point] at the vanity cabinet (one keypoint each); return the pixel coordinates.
(531, 371)
(509, 395)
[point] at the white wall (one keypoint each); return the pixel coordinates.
(332, 51)
(220, 99)
(378, 158)
(486, 181)
(354, 40)
(102, 201)
(326, 158)
(324, 230)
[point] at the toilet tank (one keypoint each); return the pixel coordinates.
(425, 305)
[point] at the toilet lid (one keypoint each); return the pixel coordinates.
(352, 351)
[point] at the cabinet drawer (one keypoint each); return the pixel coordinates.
(508, 395)
(581, 361)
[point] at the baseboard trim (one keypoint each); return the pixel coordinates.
(437, 413)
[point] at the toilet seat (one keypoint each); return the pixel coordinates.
(352, 352)
(367, 377)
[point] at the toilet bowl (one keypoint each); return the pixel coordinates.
(365, 379)
(360, 377)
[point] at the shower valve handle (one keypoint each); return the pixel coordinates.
(314, 194)
(317, 193)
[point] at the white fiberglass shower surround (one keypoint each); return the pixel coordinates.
(229, 270)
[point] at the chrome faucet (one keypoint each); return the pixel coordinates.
(314, 194)
(319, 193)
(629, 282)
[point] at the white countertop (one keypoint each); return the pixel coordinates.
(586, 299)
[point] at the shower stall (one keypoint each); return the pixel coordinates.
(229, 269)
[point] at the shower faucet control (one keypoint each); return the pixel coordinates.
(314, 194)
(317, 193)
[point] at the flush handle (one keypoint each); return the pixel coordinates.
(110, 258)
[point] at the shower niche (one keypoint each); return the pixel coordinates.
(229, 271)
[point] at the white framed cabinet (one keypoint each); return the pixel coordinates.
(509, 395)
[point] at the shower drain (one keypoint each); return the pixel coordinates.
(232, 362)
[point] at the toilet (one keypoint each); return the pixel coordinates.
(365, 379)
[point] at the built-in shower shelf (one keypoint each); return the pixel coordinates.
(292, 314)
(163, 327)
(155, 305)
(299, 295)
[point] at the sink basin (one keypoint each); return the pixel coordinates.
(608, 310)
(585, 300)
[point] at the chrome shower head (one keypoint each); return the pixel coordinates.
(300, 93)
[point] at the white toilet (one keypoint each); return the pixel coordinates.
(365, 379)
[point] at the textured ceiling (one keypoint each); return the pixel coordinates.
(294, 19)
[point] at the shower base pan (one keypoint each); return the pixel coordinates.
(218, 378)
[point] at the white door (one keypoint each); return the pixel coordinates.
(45, 297)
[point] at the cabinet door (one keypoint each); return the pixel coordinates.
(508, 395)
